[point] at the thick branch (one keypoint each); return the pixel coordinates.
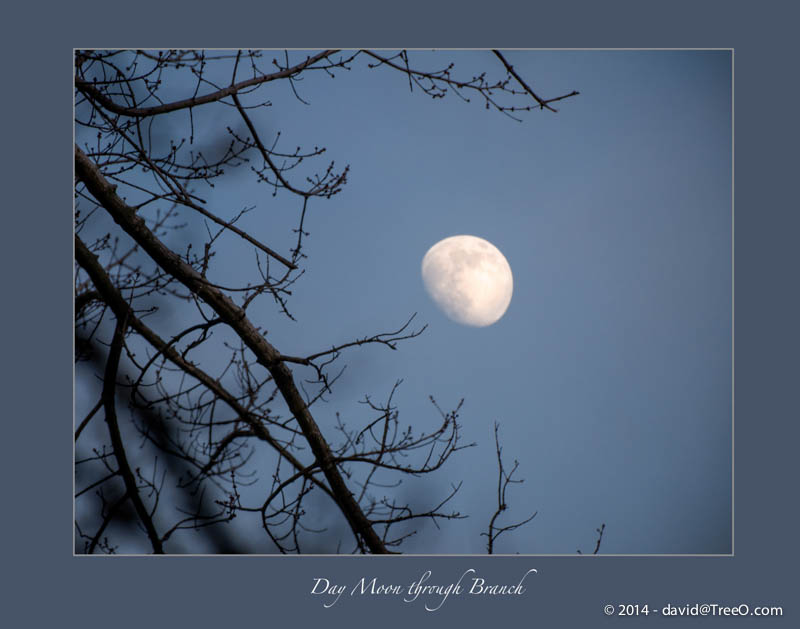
(111, 296)
(109, 401)
(236, 318)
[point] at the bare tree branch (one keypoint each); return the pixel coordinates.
(504, 479)
(143, 112)
(600, 532)
(122, 310)
(267, 355)
(109, 403)
(542, 103)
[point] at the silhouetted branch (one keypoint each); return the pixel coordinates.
(266, 354)
(89, 89)
(88, 417)
(542, 103)
(599, 539)
(504, 479)
(389, 339)
(122, 310)
(436, 84)
(109, 403)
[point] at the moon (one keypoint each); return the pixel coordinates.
(469, 279)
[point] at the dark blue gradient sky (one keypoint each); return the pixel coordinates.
(610, 373)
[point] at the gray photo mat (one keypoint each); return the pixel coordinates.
(50, 585)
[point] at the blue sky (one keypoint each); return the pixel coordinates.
(610, 373)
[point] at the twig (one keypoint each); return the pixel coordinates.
(504, 479)
(143, 112)
(599, 539)
(543, 104)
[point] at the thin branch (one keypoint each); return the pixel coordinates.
(82, 300)
(504, 479)
(600, 532)
(182, 196)
(543, 104)
(264, 153)
(142, 112)
(87, 418)
(106, 521)
(385, 338)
